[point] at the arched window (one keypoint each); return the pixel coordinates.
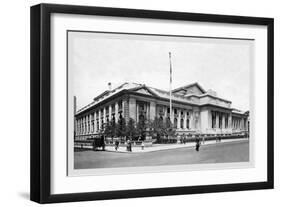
(175, 122)
(187, 123)
(181, 125)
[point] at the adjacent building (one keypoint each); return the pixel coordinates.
(194, 110)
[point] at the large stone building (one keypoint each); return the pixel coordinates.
(194, 110)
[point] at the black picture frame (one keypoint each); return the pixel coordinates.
(41, 102)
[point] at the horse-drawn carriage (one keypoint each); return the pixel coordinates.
(90, 142)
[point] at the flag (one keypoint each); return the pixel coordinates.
(170, 58)
(170, 68)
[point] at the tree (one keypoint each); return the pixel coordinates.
(169, 129)
(131, 130)
(143, 127)
(121, 128)
(112, 131)
(107, 130)
(158, 128)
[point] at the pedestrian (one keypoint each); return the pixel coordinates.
(128, 145)
(203, 139)
(142, 145)
(197, 144)
(102, 143)
(116, 145)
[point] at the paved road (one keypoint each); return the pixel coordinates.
(219, 153)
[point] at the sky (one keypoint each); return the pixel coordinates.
(223, 65)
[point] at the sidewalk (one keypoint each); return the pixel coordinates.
(158, 147)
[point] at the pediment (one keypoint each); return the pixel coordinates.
(144, 90)
(195, 89)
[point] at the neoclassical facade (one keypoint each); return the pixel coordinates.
(194, 110)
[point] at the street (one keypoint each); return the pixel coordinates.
(216, 153)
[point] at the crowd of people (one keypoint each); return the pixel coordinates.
(128, 144)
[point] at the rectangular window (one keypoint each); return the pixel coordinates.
(213, 120)
(187, 123)
(220, 121)
(120, 105)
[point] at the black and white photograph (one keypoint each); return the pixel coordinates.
(129, 103)
(160, 101)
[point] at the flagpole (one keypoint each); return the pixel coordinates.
(170, 86)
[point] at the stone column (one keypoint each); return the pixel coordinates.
(152, 110)
(104, 115)
(239, 124)
(90, 122)
(80, 126)
(86, 122)
(223, 121)
(83, 126)
(179, 119)
(99, 119)
(191, 119)
(109, 112)
(230, 121)
(137, 113)
(217, 120)
(184, 119)
(116, 112)
(196, 120)
(132, 108)
(94, 121)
